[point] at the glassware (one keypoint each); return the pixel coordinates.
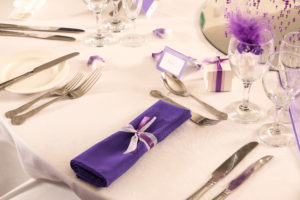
(132, 9)
(290, 42)
(248, 62)
(116, 24)
(99, 39)
(282, 85)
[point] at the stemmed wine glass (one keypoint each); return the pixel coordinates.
(116, 24)
(132, 9)
(99, 39)
(248, 62)
(291, 43)
(282, 85)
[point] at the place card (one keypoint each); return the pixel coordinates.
(148, 7)
(172, 61)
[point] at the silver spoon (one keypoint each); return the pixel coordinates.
(196, 118)
(174, 85)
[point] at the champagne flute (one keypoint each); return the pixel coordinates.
(99, 39)
(248, 62)
(282, 85)
(132, 9)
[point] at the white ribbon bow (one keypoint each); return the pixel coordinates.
(147, 138)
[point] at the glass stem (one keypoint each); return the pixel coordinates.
(99, 30)
(116, 19)
(245, 103)
(275, 128)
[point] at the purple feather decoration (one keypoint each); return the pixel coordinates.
(248, 30)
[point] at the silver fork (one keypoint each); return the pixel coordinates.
(56, 92)
(82, 89)
(196, 118)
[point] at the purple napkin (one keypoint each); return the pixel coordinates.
(104, 162)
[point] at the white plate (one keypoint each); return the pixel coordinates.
(21, 62)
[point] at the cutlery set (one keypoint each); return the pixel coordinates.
(71, 90)
(226, 167)
(5, 30)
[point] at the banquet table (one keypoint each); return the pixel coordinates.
(177, 166)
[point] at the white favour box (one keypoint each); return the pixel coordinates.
(217, 81)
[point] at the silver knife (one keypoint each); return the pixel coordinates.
(45, 36)
(39, 28)
(235, 183)
(224, 169)
(38, 69)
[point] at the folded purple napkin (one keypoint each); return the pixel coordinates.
(104, 162)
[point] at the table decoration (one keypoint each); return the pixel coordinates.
(217, 74)
(162, 33)
(95, 62)
(250, 45)
(107, 160)
(148, 7)
(282, 86)
(172, 61)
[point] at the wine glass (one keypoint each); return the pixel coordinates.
(290, 42)
(248, 62)
(116, 24)
(99, 39)
(282, 85)
(132, 9)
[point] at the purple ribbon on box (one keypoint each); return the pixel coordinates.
(106, 161)
(218, 61)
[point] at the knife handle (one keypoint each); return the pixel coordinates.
(223, 195)
(202, 190)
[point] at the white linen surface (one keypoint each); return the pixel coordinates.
(176, 167)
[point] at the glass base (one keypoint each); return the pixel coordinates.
(133, 40)
(253, 114)
(116, 26)
(100, 41)
(282, 136)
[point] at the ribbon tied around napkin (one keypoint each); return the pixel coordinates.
(140, 135)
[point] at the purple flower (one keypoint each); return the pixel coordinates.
(162, 32)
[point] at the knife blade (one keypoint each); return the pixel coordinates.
(39, 28)
(38, 69)
(238, 181)
(224, 169)
(39, 36)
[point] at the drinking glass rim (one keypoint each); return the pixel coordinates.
(285, 37)
(263, 43)
(272, 56)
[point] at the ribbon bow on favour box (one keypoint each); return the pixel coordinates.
(140, 135)
(219, 72)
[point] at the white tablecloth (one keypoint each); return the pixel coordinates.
(182, 162)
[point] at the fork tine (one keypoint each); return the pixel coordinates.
(90, 85)
(90, 81)
(74, 81)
